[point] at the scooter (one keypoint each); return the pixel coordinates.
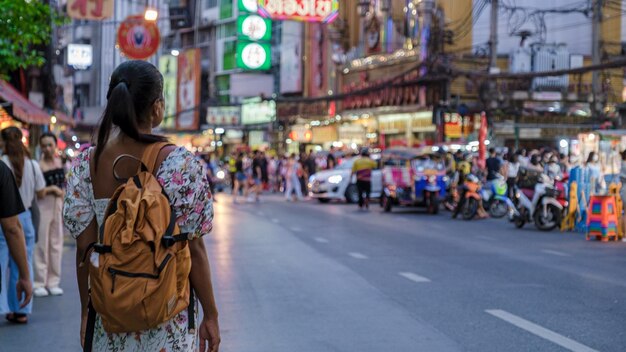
(495, 199)
(472, 197)
(544, 209)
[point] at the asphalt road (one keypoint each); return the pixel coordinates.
(328, 277)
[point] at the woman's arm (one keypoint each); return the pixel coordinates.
(200, 277)
(90, 235)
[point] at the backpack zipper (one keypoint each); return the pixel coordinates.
(115, 272)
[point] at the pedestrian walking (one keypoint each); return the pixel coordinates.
(13, 243)
(257, 174)
(232, 170)
(294, 168)
(31, 184)
(331, 161)
(240, 178)
(134, 107)
(49, 247)
(363, 167)
(512, 174)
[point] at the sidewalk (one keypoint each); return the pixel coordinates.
(54, 324)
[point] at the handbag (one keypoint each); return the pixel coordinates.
(34, 208)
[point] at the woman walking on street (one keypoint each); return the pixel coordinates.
(240, 179)
(49, 247)
(292, 179)
(31, 184)
(135, 106)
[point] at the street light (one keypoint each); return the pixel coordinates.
(151, 15)
(175, 52)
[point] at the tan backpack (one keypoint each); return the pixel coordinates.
(139, 271)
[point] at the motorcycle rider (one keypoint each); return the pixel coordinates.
(464, 169)
(552, 168)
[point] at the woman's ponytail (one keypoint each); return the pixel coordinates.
(135, 86)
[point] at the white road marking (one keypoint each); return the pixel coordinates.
(321, 240)
(296, 229)
(486, 238)
(540, 331)
(414, 277)
(275, 221)
(260, 213)
(557, 253)
(357, 255)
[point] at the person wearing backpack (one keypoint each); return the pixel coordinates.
(138, 208)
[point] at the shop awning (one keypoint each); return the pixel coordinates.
(25, 111)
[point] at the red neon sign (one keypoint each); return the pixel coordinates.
(324, 11)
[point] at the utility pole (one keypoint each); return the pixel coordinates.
(493, 38)
(595, 55)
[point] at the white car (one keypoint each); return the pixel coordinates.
(336, 184)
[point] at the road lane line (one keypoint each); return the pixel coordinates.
(296, 229)
(321, 240)
(414, 277)
(540, 331)
(486, 238)
(357, 255)
(275, 221)
(557, 253)
(260, 213)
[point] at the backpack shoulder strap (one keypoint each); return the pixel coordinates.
(151, 155)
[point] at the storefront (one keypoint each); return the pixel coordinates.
(18, 111)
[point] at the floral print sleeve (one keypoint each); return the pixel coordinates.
(78, 211)
(184, 179)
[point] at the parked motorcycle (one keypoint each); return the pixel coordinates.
(539, 205)
(495, 199)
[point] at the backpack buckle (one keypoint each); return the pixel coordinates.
(101, 249)
(168, 241)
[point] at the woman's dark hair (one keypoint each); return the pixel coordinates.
(135, 86)
(16, 151)
(48, 135)
(590, 157)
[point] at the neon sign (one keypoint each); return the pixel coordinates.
(324, 11)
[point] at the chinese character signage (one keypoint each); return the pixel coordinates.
(168, 65)
(138, 39)
(188, 102)
(90, 9)
(224, 115)
(324, 11)
(254, 56)
(254, 27)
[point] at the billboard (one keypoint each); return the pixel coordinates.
(188, 92)
(256, 111)
(168, 65)
(224, 115)
(291, 58)
(79, 56)
(324, 11)
(90, 9)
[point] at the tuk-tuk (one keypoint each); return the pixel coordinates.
(412, 178)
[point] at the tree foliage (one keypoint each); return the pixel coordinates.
(25, 25)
